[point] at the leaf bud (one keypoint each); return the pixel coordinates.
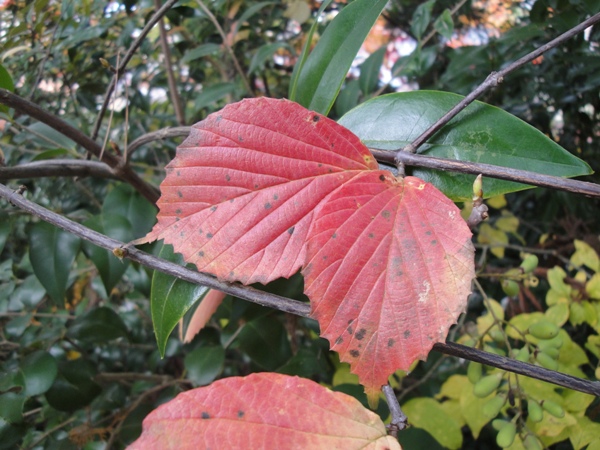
(543, 330)
(553, 408)
(535, 411)
(487, 385)
(474, 371)
(529, 263)
(510, 287)
(547, 361)
(506, 435)
(491, 408)
(532, 443)
(478, 187)
(521, 354)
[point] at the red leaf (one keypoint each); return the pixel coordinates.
(263, 410)
(239, 197)
(203, 313)
(389, 268)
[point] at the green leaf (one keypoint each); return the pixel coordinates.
(111, 269)
(322, 75)
(5, 226)
(481, 133)
(97, 326)
(264, 53)
(204, 364)
(74, 387)
(39, 371)
(6, 82)
(50, 138)
(416, 64)
(265, 341)
(369, 71)
(249, 13)
(348, 98)
(305, 52)
(171, 298)
(444, 24)
(50, 154)
(11, 407)
(199, 52)
(421, 18)
(129, 203)
(211, 94)
(52, 252)
(27, 296)
(427, 414)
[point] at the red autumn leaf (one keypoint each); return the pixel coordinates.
(265, 187)
(239, 197)
(389, 268)
(263, 410)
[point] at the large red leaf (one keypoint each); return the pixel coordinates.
(389, 268)
(239, 197)
(263, 411)
(265, 187)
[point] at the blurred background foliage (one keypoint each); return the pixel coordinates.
(79, 363)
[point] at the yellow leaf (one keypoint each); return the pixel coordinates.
(507, 223)
(585, 255)
(427, 414)
(497, 202)
(558, 314)
(593, 287)
(496, 239)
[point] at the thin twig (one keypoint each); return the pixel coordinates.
(173, 92)
(399, 421)
(496, 78)
(132, 49)
(281, 303)
(58, 168)
(164, 133)
(122, 170)
(488, 170)
(236, 64)
(49, 432)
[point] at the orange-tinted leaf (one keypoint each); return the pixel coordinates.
(239, 196)
(203, 313)
(266, 411)
(389, 268)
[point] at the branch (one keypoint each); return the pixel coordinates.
(398, 421)
(488, 170)
(174, 94)
(132, 49)
(121, 170)
(164, 133)
(58, 168)
(496, 78)
(277, 302)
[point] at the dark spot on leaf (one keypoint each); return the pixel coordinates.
(333, 236)
(267, 206)
(240, 414)
(291, 230)
(315, 118)
(434, 242)
(232, 200)
(200, 231)
(201, 254)
(179, 194)
(231, 273)
(390, 343)
(213, 208)
(319, 165)
(339, 340)
(361, 334)
(399, 273)
(428, 233)
(276, 197)
(209, 235)
(182, 234)
(406, 334)
(178, 211)
(385, 213)
(240, 138)
(324, 258)
(396, 261)
(227, 178)
(371, 235)
(382, 177)
(205, 415)
(350, 330)
(256, 186)
(332, 145)
(350, 321)
(178, 173)
(177, 219)
(354, 353)
(330, 170)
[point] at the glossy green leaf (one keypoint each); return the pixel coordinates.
(28, 295)
(265, 341)
(417, 63)
(421, 18)
(97, 326)
(11, 407)
(4, 229)
(427, 414)
(6, 82)
(127, 202)
(49, 138)
(39, 371)
(74, 387)
(171, 298)
(199, 52)
(293, 90)
(52, 252)
(481, 133)
(369, 71)
(50, 154)
(211, 94)
(111, 269)
(348, 98)
(204, 364)
(322, 75)
(444, 24)
(264, 53)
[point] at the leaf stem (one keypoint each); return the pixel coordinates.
(277, 302)
(495, 78)
(399, 421)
